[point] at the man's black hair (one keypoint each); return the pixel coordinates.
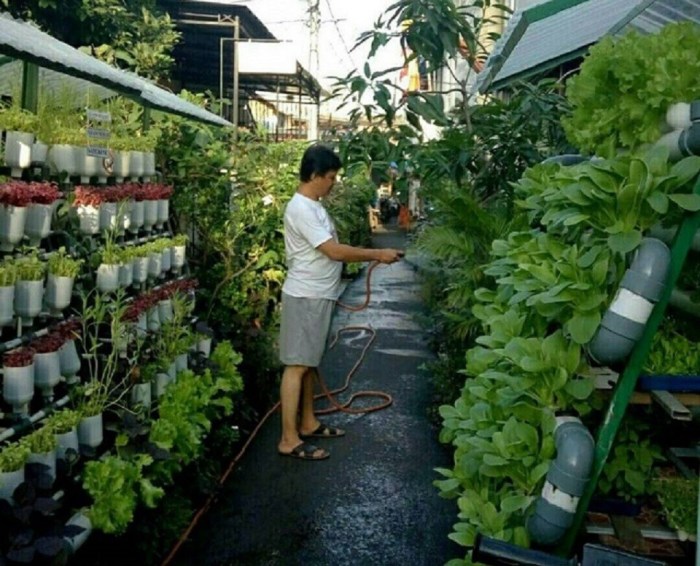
(318, 159)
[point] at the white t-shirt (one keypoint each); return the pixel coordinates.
(311, 274)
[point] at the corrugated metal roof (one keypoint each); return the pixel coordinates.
(24, 41)
(557, 31)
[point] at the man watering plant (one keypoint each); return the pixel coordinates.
(314, 261)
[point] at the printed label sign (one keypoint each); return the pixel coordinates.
(98, 133)
(97, 116)
(95, 151)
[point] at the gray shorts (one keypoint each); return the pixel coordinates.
(304, 330)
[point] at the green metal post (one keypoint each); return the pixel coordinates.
(30, 86)
(628, 380)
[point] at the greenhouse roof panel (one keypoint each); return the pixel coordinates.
(25, 41)
(553, 32)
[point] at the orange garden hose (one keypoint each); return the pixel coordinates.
(334, 407)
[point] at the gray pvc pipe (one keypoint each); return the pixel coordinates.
(666, 235)
(682, 143)
(566, 481)
(641, 287)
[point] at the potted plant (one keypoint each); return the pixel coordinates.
(120, 145)
(13, 457)
(18, 378)
(141, 386)
(155, 260)
(87, 203)
(14, 200)
(126, 266)
(178, 252)
(42, 453)
(64, 425)
(8, 276)
(137, 208)
(47, 365)
(108, 271)
(19, 126)
(150, 193)
(68, 354)
(64, 142)
(62, 269)
(29, 287)
(163, 205)
(43, 199)
(166, 246)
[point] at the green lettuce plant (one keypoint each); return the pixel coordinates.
(620, 97)
(41, 440)
(30, 268)
(62, 264)
(8, 273)
(13, 456)
(63, 421)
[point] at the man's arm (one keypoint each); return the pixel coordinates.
(343, 252)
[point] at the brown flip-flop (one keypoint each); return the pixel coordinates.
(306, 451)
(323, 431)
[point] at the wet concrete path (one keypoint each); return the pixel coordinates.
(372, 501)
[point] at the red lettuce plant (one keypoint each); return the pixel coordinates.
(69, 329)
(18, 358)
(141, 304)
(43, 192)
(51, 342)
(88, 196)
(15, 193)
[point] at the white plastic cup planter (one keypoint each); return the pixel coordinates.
(137, 211)
(18, 151)
(124, 220)
(155, 266)
(159, 384)
(150, 214)
(76, 541)
(204, 346)
(177, 257)
(38, 222)
(121, 166)
(29, 296)
(140, 274)
(108, 215)
(126, 274)
(47, 459)
(87, 165)
(7, 309)
(153, 320)
(89, 217)
(39, 152)
(149, 164)
(59, 291)
(69, 361)
(165, 310)
(163, 212)
(67, 441)
(181, 363)
(18, 387)
(90, 432)
(108, 277)
(62, 159)
(142, 325)
(172, 371)
(47, 373)
(166, 262)
(12, 222)
(9, 481)
(136, 165)
(141, 394)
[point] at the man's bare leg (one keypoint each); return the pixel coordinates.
(290, 393)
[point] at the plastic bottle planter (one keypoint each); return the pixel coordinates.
(61, 159)
(172, 371)
(153, 320)
(150, 214)
(38, 222)
(9, 481)
(108, 277)
(181, 363)
(137, 211)
(177, 258)
(48, 462)
(77, 540)
(47, 373)
(108, 216)
(141, 395)
(149, 165)
(155, 264)
(89, 218)
(67, 441)
(29, 297)
(641, 287)
(18, 151)
(163, 212)
(142, 325)
(12, 222)
(124, 215)
(136, 168)
(140, 274)
(159, 384)
(90, 433)
(69, 361)
(126, 274)
(566, 481)
(7, 309)
(39, 152)
(122, 165)
(165, 310)
(166, 261)
(59, 291)
(18, 387)
(204, 347)
(87, 165)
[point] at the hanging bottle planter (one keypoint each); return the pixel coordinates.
(67, 442)
(29, 288)
(155, 259)
(42, 456)
(136, 164)
(140, 271)
(14, 199)
(137, 216)
(69, 361)
(163, 212)
(87, 204)
(90, 433)
(108, 216)
(38, 223)
(166, 261)
(13, 458)
(153, 319)
(40, 152)
(18, 379)
(88, 165)
(108, 277)
(181, 362)
(149, 165)
(61, 159)
(8, 277)
(165, 310)
(141, 395)
(122, 165)
(150, 214)
(18, 151)
(47, 364)
(126, 274)
(63, 269)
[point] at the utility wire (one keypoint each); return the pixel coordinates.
(340, 34)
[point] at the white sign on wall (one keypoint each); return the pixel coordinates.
(266, 57)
